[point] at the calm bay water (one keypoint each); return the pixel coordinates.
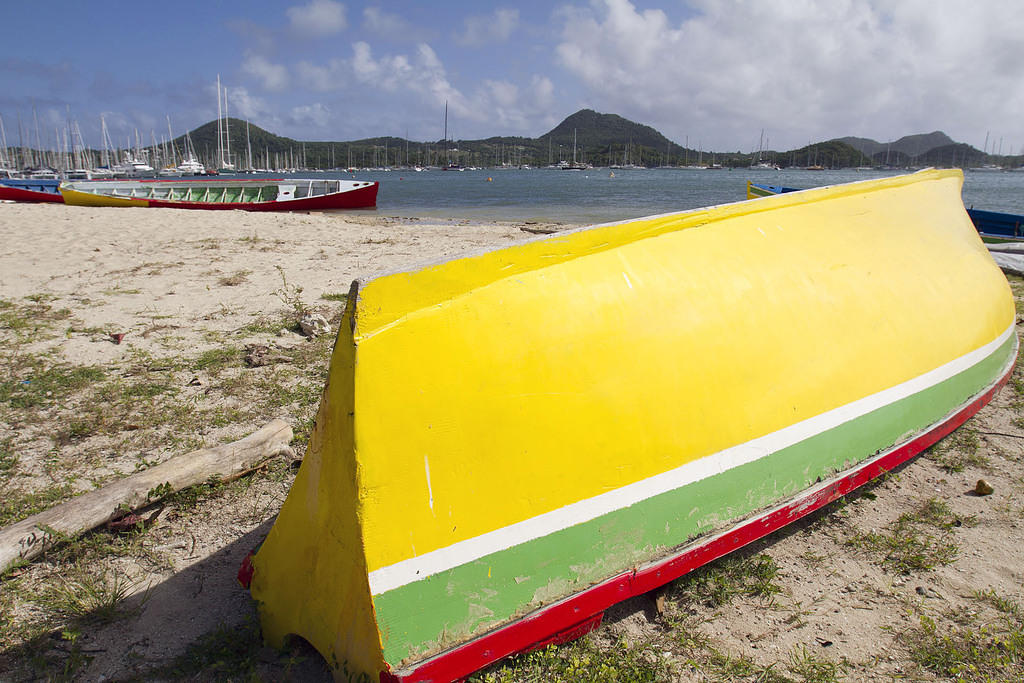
(595, 196)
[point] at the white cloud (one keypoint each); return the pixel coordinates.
(422, 73)
(420, 82)
(322, 78)
(271, 76)
(247, 106)
(318, 18)
(496, 27)
(388, 25)
(315, 116)
(805, 70)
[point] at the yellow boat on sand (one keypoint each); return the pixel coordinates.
(509, 443)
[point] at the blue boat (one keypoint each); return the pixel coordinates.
(30, 190)
(1008, 226)
(993, 224)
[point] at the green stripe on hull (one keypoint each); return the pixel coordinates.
(426, 616)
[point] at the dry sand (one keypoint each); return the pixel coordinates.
(190, 291)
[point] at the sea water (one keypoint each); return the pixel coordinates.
(602, 195)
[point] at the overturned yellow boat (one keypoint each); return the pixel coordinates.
(508, 443)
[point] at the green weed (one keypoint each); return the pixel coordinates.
(720, 582)
(583, 660)
(915, 541)
(45, 386)
(987, 652)
(17, 505)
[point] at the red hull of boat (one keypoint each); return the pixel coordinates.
(17, 194)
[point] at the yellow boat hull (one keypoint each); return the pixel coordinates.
(513, 432)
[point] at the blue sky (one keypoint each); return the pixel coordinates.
(710, 72)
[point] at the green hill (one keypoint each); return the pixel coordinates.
(600, 139)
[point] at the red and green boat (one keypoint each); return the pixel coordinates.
(263, 194)
(30, 190)
(511, 442)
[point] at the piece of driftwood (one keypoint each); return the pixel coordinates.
(30, 537)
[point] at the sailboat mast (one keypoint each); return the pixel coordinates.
(227, 129)
(3, 140)
(220, 133)
(170, 139)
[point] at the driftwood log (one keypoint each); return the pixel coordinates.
(30, 537)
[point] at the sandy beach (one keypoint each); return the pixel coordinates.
(124, 335)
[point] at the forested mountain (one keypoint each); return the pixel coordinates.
(600, 139)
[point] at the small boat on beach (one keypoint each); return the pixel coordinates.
(511, 442)
(755, 190)
(291, 194)
(994, 224)
(29, 190)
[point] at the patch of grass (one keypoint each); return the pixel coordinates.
(809, 667)
(189, 498)
(721, 581)
(37, 315)
(334, 296)
(987, 652)
(215, 360)
(147, 390)
(959, 450)
(916, 541)
(17, 505)
(8, 458)
(291, 295)
(583, 660)
(42, 386)
(229, 652)
(235, 279)
(90, 597)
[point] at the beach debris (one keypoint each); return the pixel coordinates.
(533, 228)
(314, 324)
(983, 488)
(258, 355)
(117, 337)
(31, 537)
(132, 521)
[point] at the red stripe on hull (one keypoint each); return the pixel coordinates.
(17, 194)
(567, 619)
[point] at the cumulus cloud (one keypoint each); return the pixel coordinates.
(492, 28)
(323, 77)
(388, 25)
(421, 73)
(245, 105)
(807, 69)
(315, 116)
(318, 18)
(271, 76)
(493, 106)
